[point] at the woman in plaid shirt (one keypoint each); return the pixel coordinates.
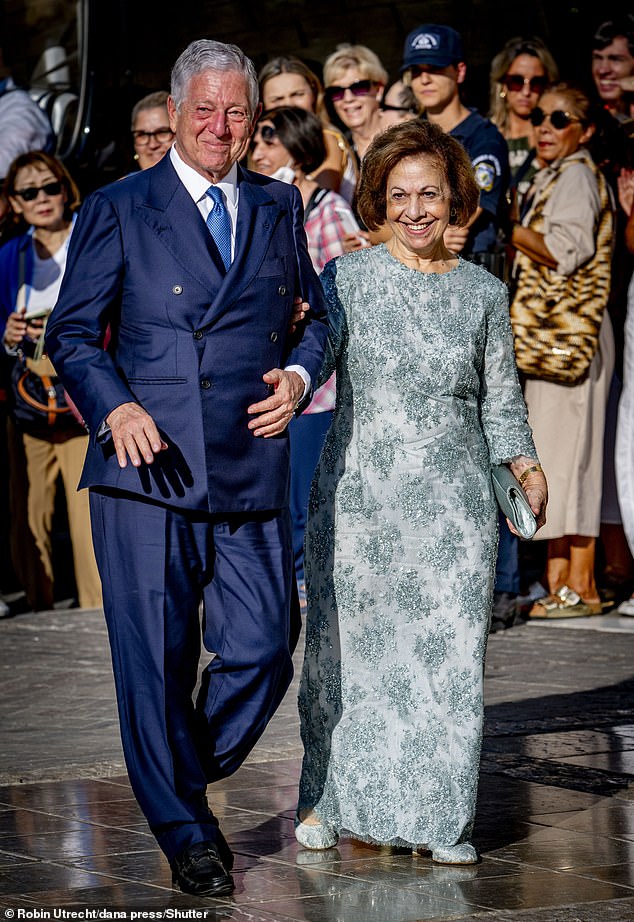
(288, 145)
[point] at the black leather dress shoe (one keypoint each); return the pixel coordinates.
(199, 870)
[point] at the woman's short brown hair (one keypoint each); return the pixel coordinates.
(43, 161)
(415, 138)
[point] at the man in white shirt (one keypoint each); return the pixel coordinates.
(23, 126)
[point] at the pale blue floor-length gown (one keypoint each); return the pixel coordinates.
(401, 547)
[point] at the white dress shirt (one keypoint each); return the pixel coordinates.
(23, 125)
(197, 186)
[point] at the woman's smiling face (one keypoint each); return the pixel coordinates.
(418, 204)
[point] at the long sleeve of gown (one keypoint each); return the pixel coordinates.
(337, 326)
(503, 411)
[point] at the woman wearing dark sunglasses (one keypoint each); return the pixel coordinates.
(287, 81)
(519, 74)
(354, 79)
(43, 199)
(562, 274)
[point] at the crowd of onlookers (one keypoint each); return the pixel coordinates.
(555, 168)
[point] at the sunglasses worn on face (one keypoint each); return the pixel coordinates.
(558, 119)
(360, 88)
(516, 83)
(31, 192)
(162, 135)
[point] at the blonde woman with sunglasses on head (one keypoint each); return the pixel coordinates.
(562, 276)
(355, 79)
(521, 71)
(287, 81)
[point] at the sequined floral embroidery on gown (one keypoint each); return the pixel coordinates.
(401, 545)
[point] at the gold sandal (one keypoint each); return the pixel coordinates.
(565, 603)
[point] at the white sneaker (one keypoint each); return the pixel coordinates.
(627, 607)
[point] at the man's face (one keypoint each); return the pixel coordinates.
(214, 123)
(610, 65)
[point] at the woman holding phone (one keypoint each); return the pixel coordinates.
(43, 199)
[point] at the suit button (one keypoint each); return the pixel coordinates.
(177, 290)
(282, 290)
(273, 337)
(198, 334)
(205, 383)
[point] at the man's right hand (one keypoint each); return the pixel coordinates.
(134, 434)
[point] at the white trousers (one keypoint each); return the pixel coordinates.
(624, 456)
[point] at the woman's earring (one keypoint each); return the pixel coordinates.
(136, 157)
(502, 94)
(452, 215)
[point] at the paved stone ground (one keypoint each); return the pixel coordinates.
(556, 809)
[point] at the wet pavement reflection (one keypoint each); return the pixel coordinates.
(555, 826)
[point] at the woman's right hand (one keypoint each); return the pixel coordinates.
(300, 309)
(15, 330)
(18, 329)
(356, 241)
(625, 181)
(455, 238)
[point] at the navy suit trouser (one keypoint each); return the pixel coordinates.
(157, 565)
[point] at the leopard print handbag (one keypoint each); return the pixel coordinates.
(556, 318)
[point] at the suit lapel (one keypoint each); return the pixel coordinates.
(257, 217)
(172, 214)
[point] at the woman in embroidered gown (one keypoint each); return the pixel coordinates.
(402, 530)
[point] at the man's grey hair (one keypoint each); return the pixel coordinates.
(206, 54)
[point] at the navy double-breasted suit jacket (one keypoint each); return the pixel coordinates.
(188, 343)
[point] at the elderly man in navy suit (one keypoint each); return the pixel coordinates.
(194, 266)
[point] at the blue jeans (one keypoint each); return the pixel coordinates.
(507, 568)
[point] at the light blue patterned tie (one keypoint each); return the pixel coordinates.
(219, 225)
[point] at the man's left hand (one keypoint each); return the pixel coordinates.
(275, 413)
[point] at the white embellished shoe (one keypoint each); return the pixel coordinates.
(315, 836)
(464, 853)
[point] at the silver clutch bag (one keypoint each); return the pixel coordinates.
(513, 501)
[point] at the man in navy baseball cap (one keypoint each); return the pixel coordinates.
(438, 46)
